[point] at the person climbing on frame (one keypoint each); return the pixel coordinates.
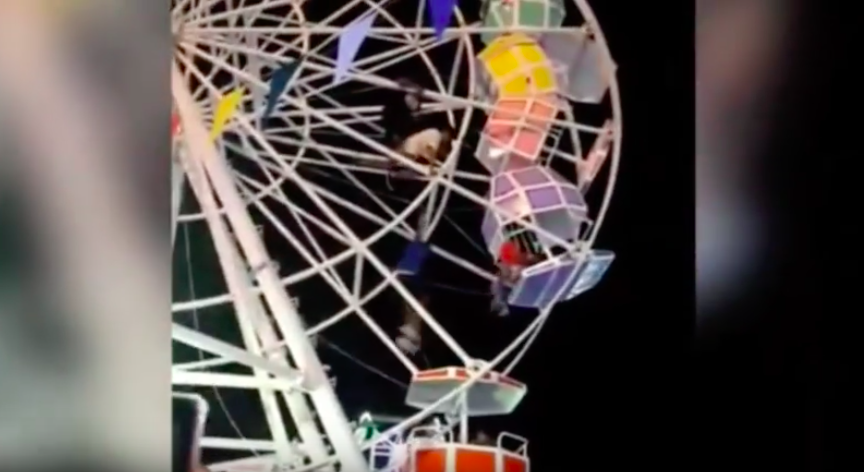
(427, 146)
(399, 115)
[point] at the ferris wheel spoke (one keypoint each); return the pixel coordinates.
(328, 273)
(369, 66)
(255, 463)
(296, 243)
(448, 102)
(190, 70)
(324, 226)
(232, 13)
(194, 10)
(377, 162)
(337, 151)
(213, 362)
(358, 115)
(408, 234)
(283, 200)
(250, 184)
(445, 101)
(336, 109)
(422, 8)
(333, 279)
(424, 32)
(294, 278)
(177, 11)
(252, 64)
(321, 129)
(220, 380)
(366, 119)
(371, 195)
(473, 177)
(374, 261)
(392, 33)
(286, 25)
(324, 69)
(457, 188)
(370, 122)
(297, 214)
(380, 204)
(290, 377)
(387, 58)
(210, 442)
(207, 92)
(293, 46)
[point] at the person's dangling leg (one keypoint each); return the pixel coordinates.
(508, 276)
(500, 294)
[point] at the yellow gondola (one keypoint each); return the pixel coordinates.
(515, 65)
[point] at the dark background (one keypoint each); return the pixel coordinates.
(775, 358)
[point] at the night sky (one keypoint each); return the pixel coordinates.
(606, 368)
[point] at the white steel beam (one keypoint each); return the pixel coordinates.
(177, 181)
(246, 304)
(221, 348)
(212, 379)
(329, 410)
(232, 444)
(258, 332)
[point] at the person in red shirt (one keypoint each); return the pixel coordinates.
(511, 260)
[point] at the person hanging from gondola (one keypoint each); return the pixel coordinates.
(516, 252)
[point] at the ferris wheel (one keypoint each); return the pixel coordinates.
(321, 148)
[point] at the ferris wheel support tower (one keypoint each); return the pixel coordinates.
(201, 155)
(257, 331)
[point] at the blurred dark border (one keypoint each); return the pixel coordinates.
(120, 50)
(773, 365)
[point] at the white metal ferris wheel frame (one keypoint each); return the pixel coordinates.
(210, 176)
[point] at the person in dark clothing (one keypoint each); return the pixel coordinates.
(405, 132)
(399, 117)
(445, 146)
